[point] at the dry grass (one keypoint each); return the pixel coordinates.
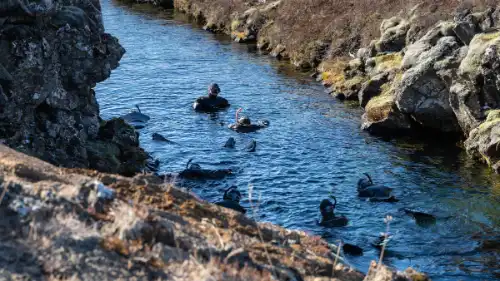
(342, 25)
(353, 23)
(379, 107)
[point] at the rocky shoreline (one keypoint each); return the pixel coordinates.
(52, 55)
(77, 224)
(431, 69)
(74, 223)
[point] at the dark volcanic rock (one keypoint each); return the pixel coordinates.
(48, 67)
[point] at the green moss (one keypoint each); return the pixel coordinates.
(379, 107)
(235, 24)
(485, 37)
(492, 120)
(388, 62)
(356, 80)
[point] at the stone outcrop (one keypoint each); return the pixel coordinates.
(76, 224)
(52, 54)
(446, 81)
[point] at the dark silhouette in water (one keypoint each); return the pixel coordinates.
(212, 102)
(352, 250)
(251, 146)
(367, 189)
(153, 164)
(244, 125)
(328, 217)
(194, 171)
(230, 143)
(136, 118)
(231, 200)
(158, 137)
(422, 219)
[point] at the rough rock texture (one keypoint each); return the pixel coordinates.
(444, 80)
(423, 94)
(483, 141)
(52, 53)
(76, 224)
(478, 85)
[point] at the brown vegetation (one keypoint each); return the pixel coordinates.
(318, 30)
(148, 231)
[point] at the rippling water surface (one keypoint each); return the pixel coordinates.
(312, 147)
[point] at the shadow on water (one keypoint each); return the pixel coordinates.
(313, 147)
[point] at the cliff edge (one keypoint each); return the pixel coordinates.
(52, 54)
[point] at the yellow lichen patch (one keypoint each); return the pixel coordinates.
(356, 80)
(379, 107)
(492, 120)
(235, 24)
(336, 66)
(353, 83)
(387, 62)
(334, 78)
(485, 37)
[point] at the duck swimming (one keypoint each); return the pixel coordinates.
(244, 124)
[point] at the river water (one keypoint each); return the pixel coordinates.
(313, 147)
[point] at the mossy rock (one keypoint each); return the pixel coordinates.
(471, 65)
(379, 107)
(103, 156)
(387, 63)
(492, 120)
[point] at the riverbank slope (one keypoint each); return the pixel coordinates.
(77, 224)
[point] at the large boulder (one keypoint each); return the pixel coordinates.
(426, 42)
(382, 116)
(372, 88)
(423, 94)
(477, 86)
(393, 37)
(49, 66)
(246, 26)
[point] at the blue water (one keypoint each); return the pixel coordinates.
(313, 147)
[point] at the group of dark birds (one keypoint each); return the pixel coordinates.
(211, 103)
